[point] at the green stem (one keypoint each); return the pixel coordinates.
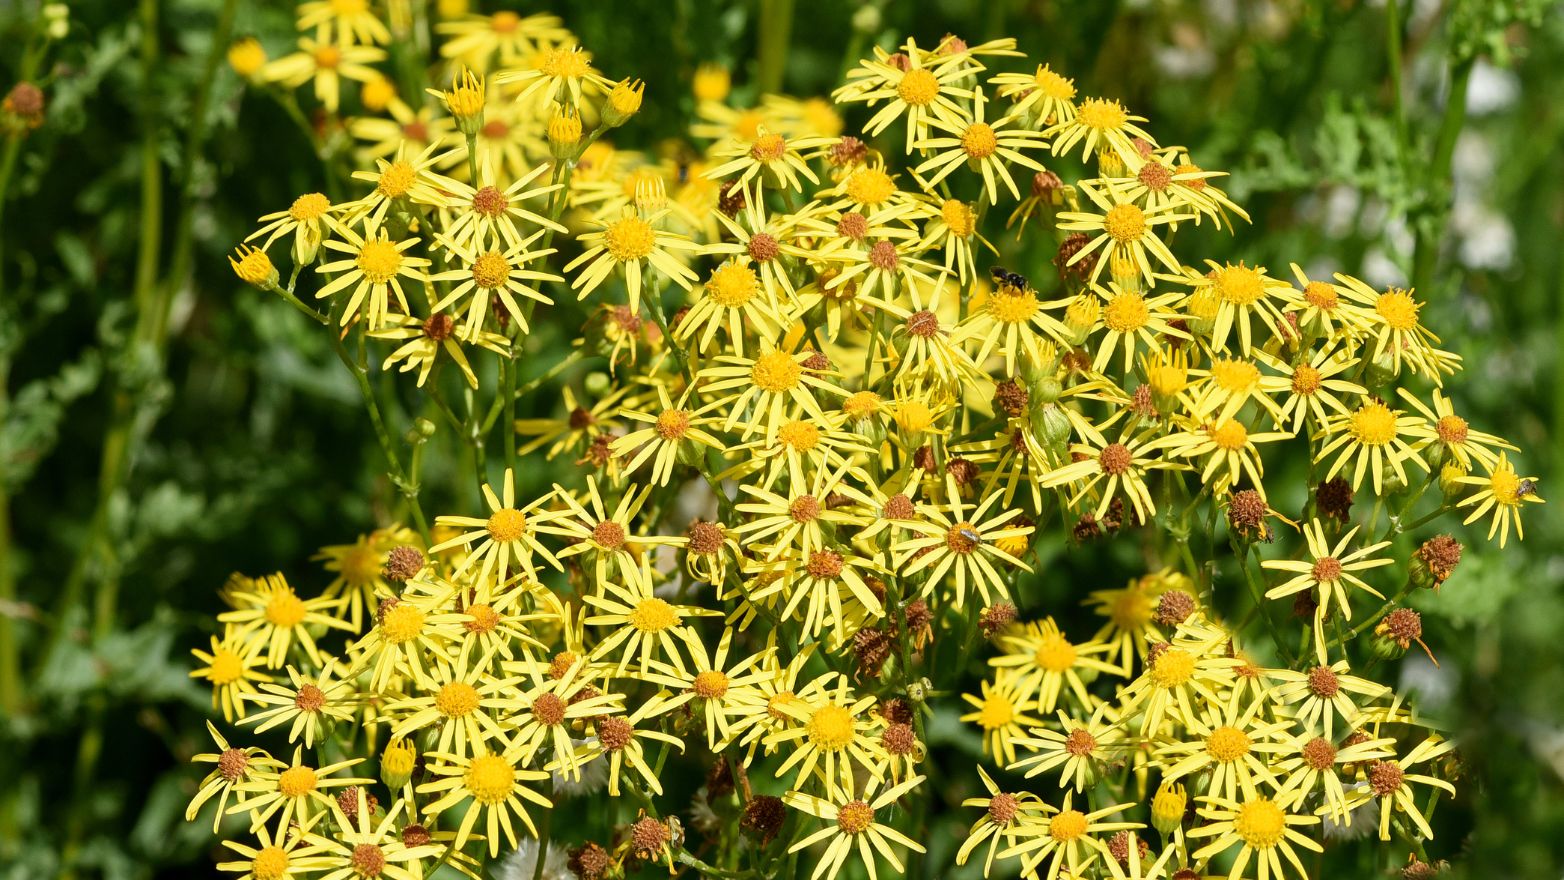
(776, 27)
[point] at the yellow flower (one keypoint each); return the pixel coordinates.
(327, 64)
(508, 532)
(853, 826)
(1121, 229)
(1328, 575)
(492, 785)
(957, 543)
(991, 146)
(374, 271)
(269, 613)
(1263, 826)
(295, 791)
(1376, 437)
(1502, 493)
(627, 243)
(927, 89)
(233, 670)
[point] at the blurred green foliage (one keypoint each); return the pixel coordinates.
(161, 425)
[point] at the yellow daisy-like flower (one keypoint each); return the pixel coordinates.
(733, 299)
(1314, 763)
(854, 825)
(362, 847)
(759, 389)
(1323, 311)
(1264, 827)
(676, 429)
(609, 537)
(1130, 317)
(1312, 388)
(1329, 574)
(1100, 124)
(1044, 661)
(360, 567)
(344, 22)
(280, 856)
(310, 700)
(1396, 325)
(296, 791)
(309, 218)
(1318, 695)
(270, 613)
(1374, 435)
(1179, 675)
(1502, 493)
(233, 766)
(455, 699)
(560, 74)
(507, 37)
(374, 270)
(1001, 713)
(962, 541)
(487, 274)
(492, 785)
(925, 90)
(1391, 784)
(1078, 749)
(1450, 437)
(423, 339)
(714, 683)
(1229, 744)
(1124, 463)
(410, 633)
(1121, 230)
(622, 739)
(991, 146)
(401, 180)
(1230, 451)
(1003, 812)
(327, 64)
(646, 626)
(1231, 295)
(1067, 839)
(628, 242)
(546, 711)
(233, 668)
(508, 533)
(1045, 96)
(830, 737)
(483, 216)
(767, 159)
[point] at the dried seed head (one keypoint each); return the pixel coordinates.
(1174, 607)
(706, 538)
(731, 198)
(852, 225)
(1072, 244)
(614, 732)
(763, 247)
(719, 781)
(548, 709)
(589, 861)
(1012, 397)
(1115, 459)
(896, 711)
(923, 457)
(899, 739)
(996, 617)
(1440, 555)
(804, 509)
(763, 816)
(1045, 184)
(1002, 808)
(1246, 512)
(923, 324)
(1402, 626)
(403, 563)
(917, 615)
(1119, 846)
(899, 506)
(415, 835)
(232, 764)
(1080, 742)
(871, 648)
(1385, 777)
(816, 362)
(963, 471)
(648, 836)
(1333, 499)
(847, 151)
(1323, 682)
(1319, 754)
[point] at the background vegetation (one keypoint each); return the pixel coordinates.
(161, 425)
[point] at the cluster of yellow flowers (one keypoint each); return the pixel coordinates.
(870, 433)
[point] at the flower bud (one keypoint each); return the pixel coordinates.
(712, 83)
(465, 100)
(564, 133)
(624, 101)
(397, 763)
(1168, 806)
(246, 56)
(254, 268)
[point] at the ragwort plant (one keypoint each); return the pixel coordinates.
(801, 501)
